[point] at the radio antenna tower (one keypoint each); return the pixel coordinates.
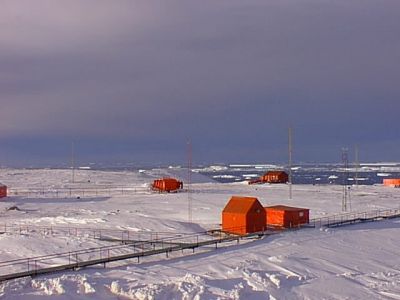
(357, 163)
(73, 161)
(290, 162)
(346, 188)
(189, 180)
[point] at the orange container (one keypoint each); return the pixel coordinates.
(3, 191)
(286, 216)
(394, 182)
(167, 185)
(243, 215)
(275, 177)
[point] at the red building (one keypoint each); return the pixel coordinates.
(243, 215)
(271, 177)
(394, 182)
(167, 185)
(3, 191)
(275, 177)
(286, 216)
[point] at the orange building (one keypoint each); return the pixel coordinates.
(271, 177)
(275, 177)
(394, 182)
(243, 215)
(286, 216)
(3, 191)
(167, 185)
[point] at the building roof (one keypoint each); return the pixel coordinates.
(167, 180)
(238, 204)
(284, 207)
(275, 172)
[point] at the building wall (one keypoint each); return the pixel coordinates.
(274, 217)
(394, 182)
(234, 223)
(287, 218)
(255, 221)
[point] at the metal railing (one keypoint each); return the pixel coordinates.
(88, 232)
(133, 245)
(354, 217)
(77, 192)
(130, 249)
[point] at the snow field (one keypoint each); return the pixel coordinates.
(353, 262)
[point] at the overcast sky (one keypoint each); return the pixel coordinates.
(134, 80)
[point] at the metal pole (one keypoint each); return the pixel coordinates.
(357, 163)
(189, 180)
(290, 162)
(73, 161)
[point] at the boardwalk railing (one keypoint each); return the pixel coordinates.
(131, 249)
(134, 246)
(354, 217)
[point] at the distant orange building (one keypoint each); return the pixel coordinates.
(243, 215)
(3, 191)
(272, 177)
(275, 177)
(286, 216)
(167, 185)
(394, 182)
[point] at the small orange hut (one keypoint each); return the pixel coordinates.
(394, 182)
(3, 190)
(243, 215)
(286, 216)
(167, 185)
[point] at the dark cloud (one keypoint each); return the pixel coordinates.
(230, 75)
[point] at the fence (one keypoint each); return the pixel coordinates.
(101, 255)
(95, 233)
(138, 244)
(354, 217)
(77, 192)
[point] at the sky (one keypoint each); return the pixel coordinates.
(134, 81)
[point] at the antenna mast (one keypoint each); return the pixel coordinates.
(290, 162)
(189, 180)
(73, 161)
(346, 187)
(357, 163)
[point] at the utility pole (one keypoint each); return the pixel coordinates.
(73, 161)
(346, 187)
(290, 162)
(357, 163)
(189, 180)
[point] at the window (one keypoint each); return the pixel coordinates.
(301, 214)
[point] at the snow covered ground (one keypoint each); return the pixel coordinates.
(353, 262)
